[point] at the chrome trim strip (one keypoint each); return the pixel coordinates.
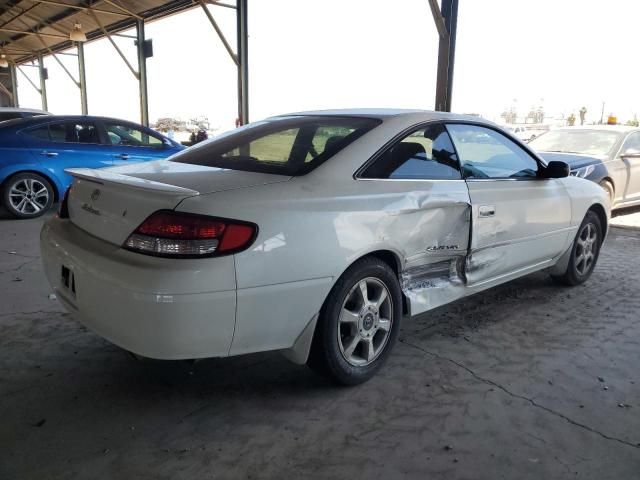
(409, 179)
(522, 179)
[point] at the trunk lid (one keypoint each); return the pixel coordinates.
(111, 203)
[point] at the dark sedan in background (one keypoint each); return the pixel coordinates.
(34, 152)
(606, 154)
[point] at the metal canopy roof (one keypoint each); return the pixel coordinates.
(32, 27)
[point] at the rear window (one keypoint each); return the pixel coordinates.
(283, 146)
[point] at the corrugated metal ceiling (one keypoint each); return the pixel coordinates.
(30, 27)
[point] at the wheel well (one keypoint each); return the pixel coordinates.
(602, 215)
(609, 180)
(391, 259)
(56, 195)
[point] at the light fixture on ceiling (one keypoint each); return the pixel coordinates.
(77, 35)
(4, 63)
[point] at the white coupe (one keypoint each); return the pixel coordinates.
(314, 234)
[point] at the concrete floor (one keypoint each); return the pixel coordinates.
(528, 380)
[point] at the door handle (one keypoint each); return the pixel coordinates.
(49, 154)
(123, 156)
(487, 211)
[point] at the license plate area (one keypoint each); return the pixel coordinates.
(68, 280)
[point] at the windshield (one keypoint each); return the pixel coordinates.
(586, 142)
(292, 145)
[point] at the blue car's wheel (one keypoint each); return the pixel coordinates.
(27, 195)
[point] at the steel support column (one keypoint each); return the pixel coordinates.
(142, 74)
(243, 62)
(82, 79)
(14, 84)
(446, 55)
(43, 82)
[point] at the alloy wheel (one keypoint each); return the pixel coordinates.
(28, 196)
(365, 322)
(586, 247)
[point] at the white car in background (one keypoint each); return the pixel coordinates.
(313, 233)
(525, 133)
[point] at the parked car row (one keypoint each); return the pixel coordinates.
(36, 147)
(35, 151)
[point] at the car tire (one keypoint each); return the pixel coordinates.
(607, 186)
(584, 252)
(27, 195)
(358, 323)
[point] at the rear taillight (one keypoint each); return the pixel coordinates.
(63, 211)
(167, 233)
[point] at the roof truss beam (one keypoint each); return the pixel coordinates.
(83, 8)
(215, 26)
(441, 26)
(21, 32)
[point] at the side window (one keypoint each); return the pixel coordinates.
(73, 132)
(129, 136)
(58, 132)
(426, 154)
(485, 153)
(632, 142)
(41, 133)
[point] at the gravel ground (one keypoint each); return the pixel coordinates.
(528, 380)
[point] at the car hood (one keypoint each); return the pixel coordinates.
(573, 159)
(200, 178)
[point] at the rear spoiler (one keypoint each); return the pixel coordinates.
(102, 176)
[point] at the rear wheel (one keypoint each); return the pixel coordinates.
(27, 195)
(358, 324)
(584, 253)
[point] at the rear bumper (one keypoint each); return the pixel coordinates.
(143, 304)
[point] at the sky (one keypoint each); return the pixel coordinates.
(561, 54)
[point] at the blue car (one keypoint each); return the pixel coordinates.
(35, 151)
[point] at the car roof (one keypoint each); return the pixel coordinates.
(382, 113)
(25, 122)
(23, 110)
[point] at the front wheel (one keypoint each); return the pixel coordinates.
(27, 195)
(584, 252)
(358, 324)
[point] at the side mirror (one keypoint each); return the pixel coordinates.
(630, 153)
(556, 169)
